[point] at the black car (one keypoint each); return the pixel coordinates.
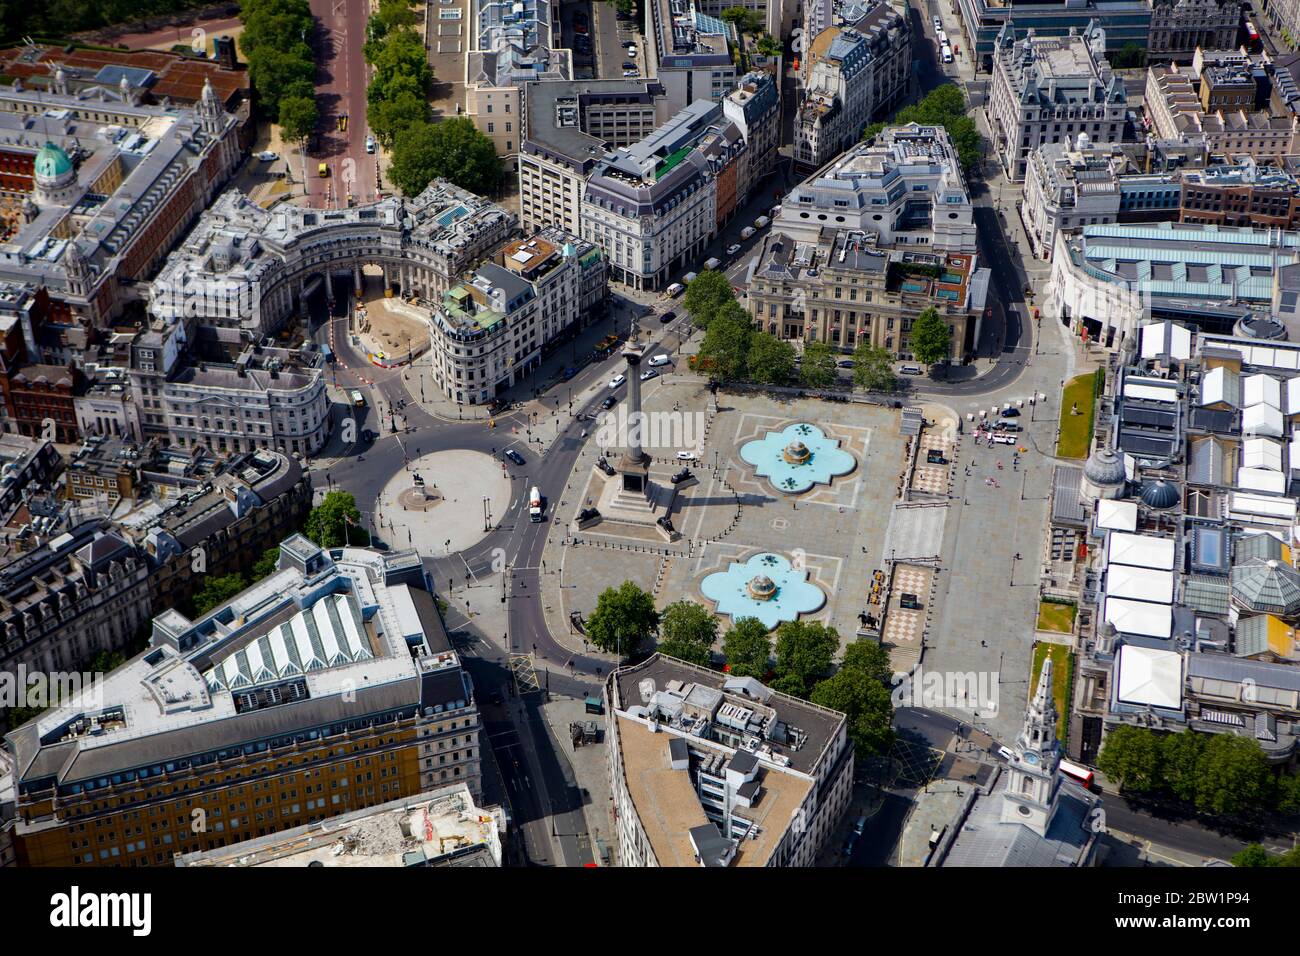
(609, 401)
(1010, 411)
(681, 476)
(667, 317)
(514, 456)
(604, 466)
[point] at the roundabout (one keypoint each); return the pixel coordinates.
(445, 501)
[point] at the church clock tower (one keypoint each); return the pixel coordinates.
(1030, 795)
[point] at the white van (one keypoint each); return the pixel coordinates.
(746, 232)
(674, 290)
(690, 277)
(946, 53)
(712, 263)
(761, 222)
(658, 360)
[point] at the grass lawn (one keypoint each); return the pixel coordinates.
(1076, 430)
(1056, 617)
(1062, 677)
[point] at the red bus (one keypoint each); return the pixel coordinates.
(1252, 37)
(1081, 774)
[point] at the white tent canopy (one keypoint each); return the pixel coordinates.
(1140, 617)
(1262, 419)
(1148, 676)
(1215, 386)
(1140, 550)
(1142, 584)
(1261, 389)
(1117, 515)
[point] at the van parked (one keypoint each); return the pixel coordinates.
(910, 370)
(712, 263)
(746, 232)
(674, 290)
(658, 360)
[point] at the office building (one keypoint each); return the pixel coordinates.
(754, 107)
(1241, 194)
(1180, 27)
(513, 44)
(653, 206)
(1075, 184)
(904, 189)
(688, 52)
(713, 771)
(220, 526)
(495, 327)
(1126, 23)
(328, 687)
(570, 127)
(1049, 90)
(853, 73)
(1217, 100)
(72, 597)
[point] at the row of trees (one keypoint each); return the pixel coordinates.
(276, 42)
(625, 619)
(733, 350)
(1218, 774)
(943, 106)
(400, 118)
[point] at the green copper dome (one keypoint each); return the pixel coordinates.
(52, 163)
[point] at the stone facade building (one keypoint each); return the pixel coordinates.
(1049, 90)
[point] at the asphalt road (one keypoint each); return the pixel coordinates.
(341, 80)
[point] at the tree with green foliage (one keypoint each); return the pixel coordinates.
(1287, 793)
(726, 343)
(818, 368)
(1131, 757)
(298, 118)
(336, 522)
(275, 42)
(453, 149)
(1232, 776)
(803, 654)
(769, 45)
(267, 564)
(868, 658)
(770, 360)
(1253, 856)
(396, 14)
(687, 631)
(747, 649)
(705, 296)
(930, 341)
(866, 705)
(217, 591)
(391, 116)
(746, 20)
(624, 617)
(1180, 757)
(873, 368)
(943, 106)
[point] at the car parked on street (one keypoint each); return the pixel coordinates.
(733, 248)
(649, 374)
(910, 370)
(267, 156)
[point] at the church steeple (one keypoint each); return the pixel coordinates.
(1030, 794)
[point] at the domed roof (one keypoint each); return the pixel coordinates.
(51, 163)
(1104, 467)
(1159, 494)
(1267, 586)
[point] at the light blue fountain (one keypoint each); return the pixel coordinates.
(797, 457)
(767, 587)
